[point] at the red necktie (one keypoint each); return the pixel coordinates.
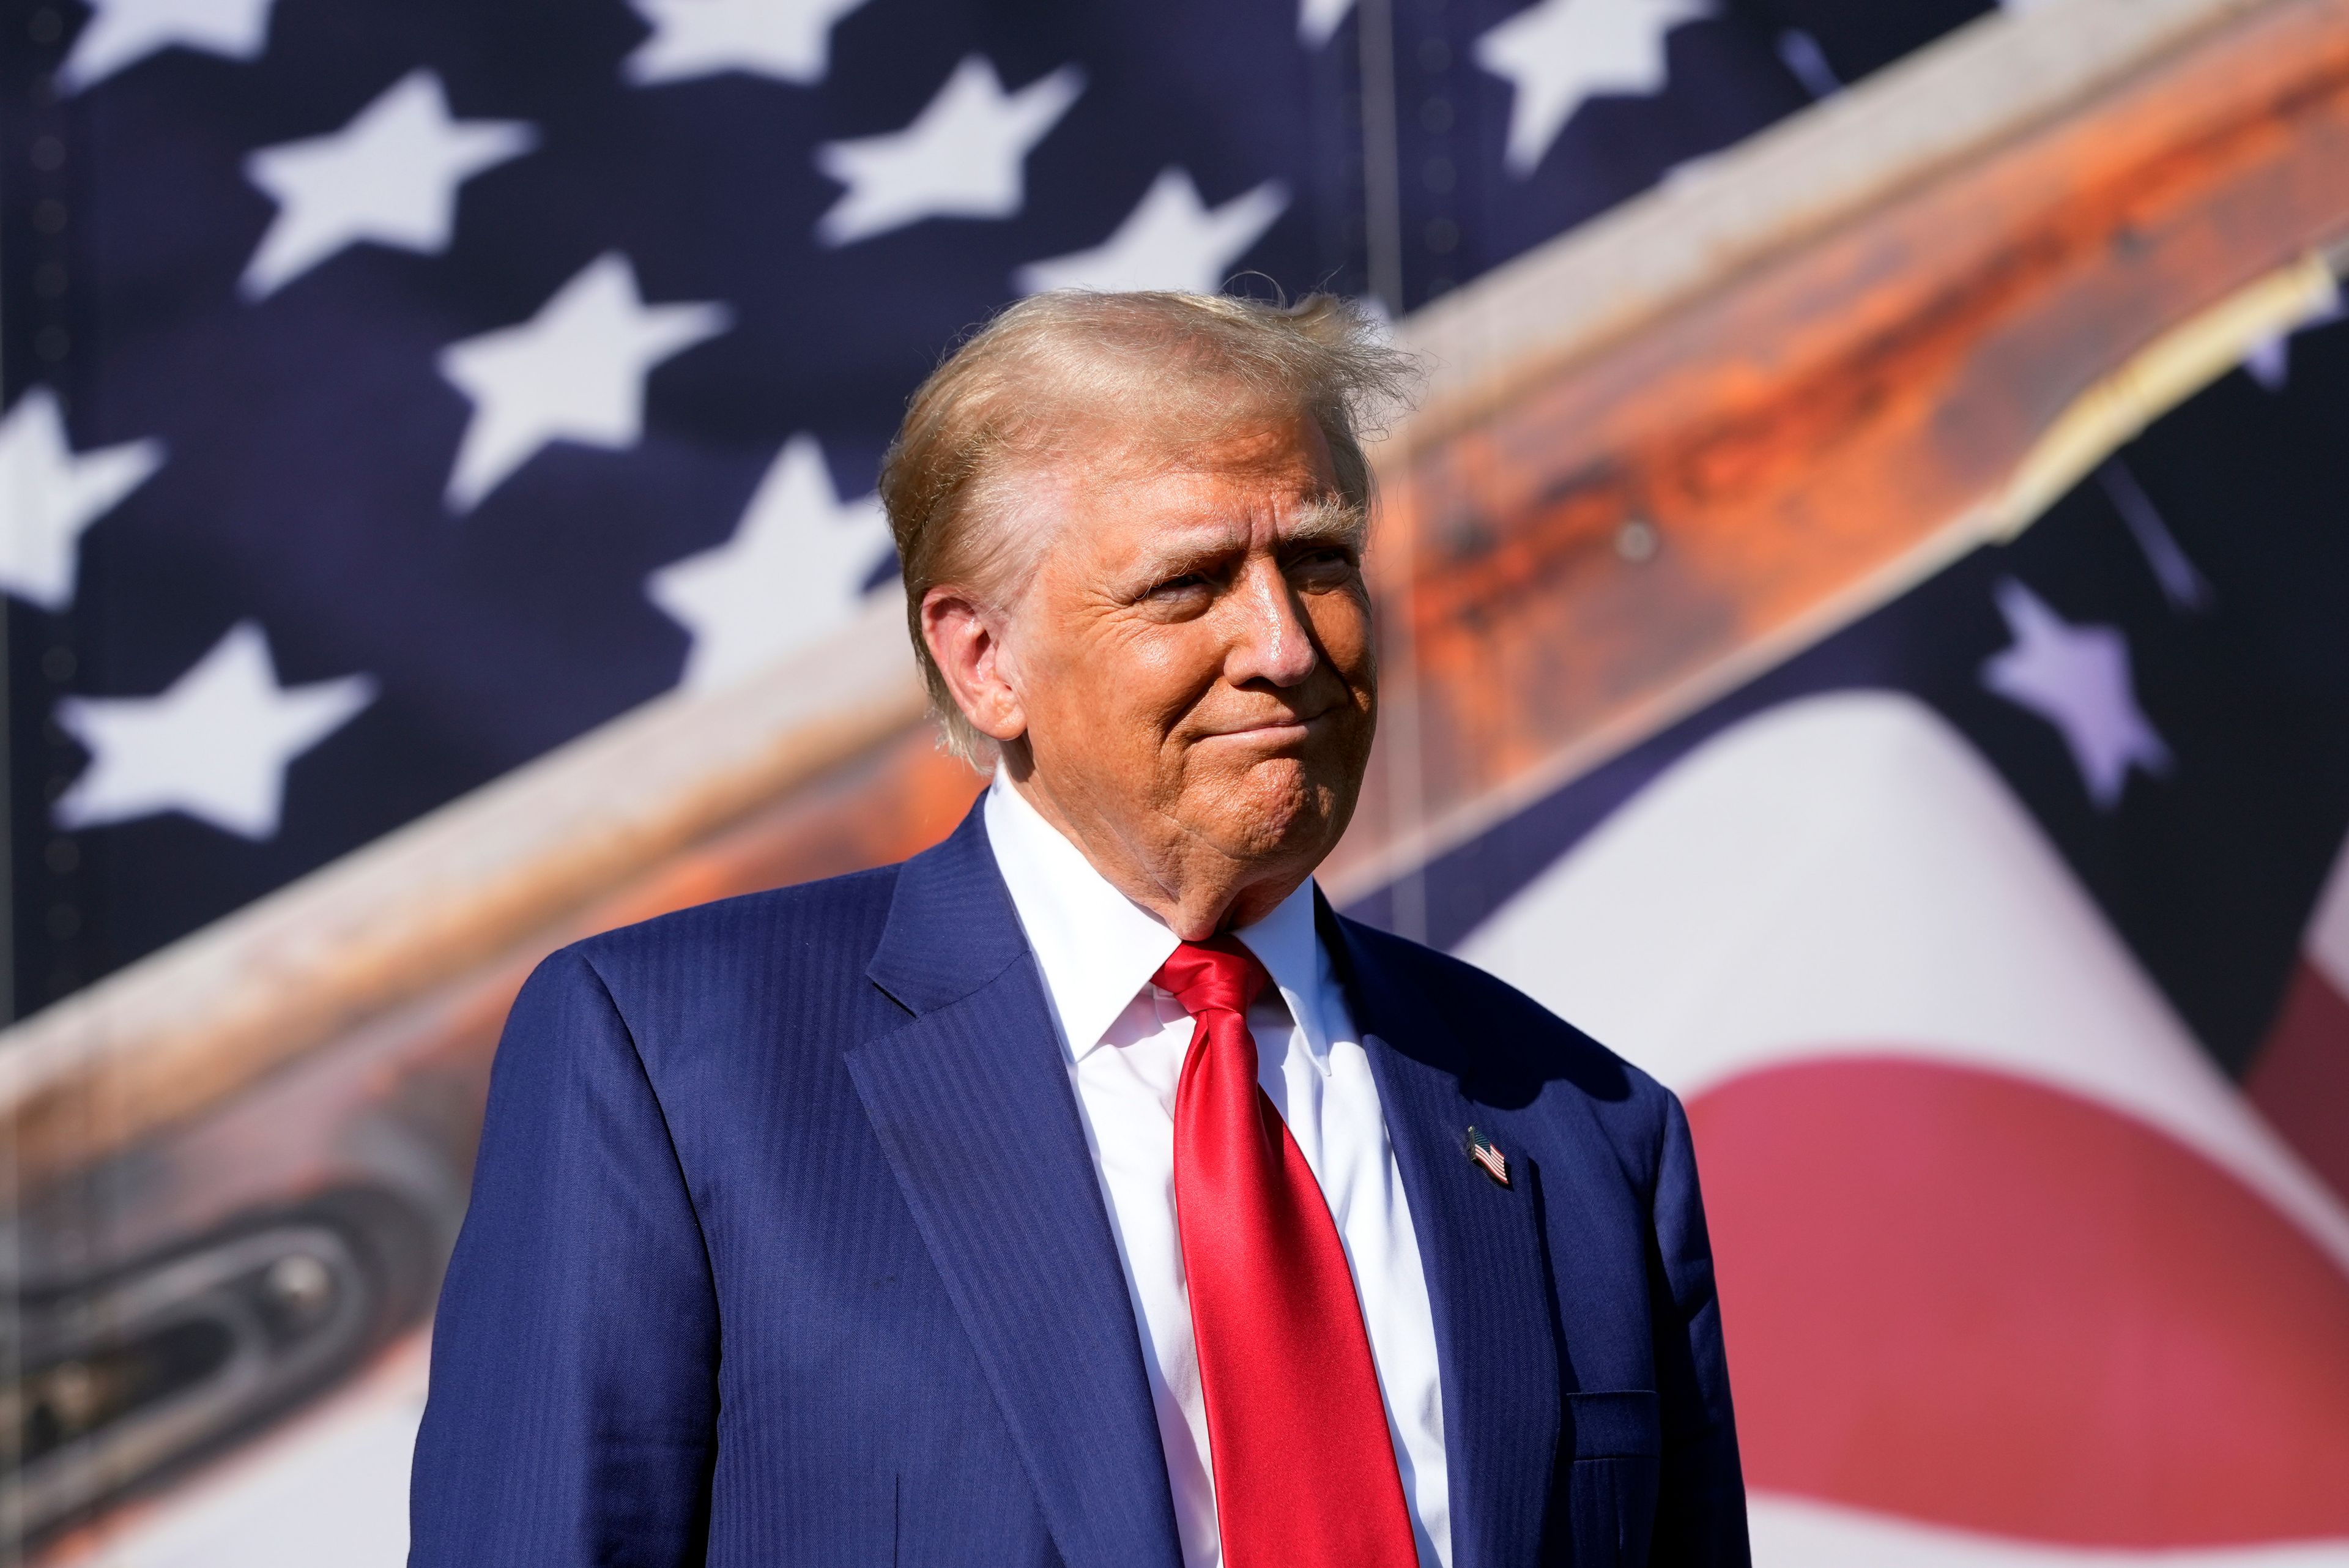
(1305, 1472)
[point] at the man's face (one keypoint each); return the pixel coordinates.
(1192, 656)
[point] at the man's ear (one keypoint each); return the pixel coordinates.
(965, 638)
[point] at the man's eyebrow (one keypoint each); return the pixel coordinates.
(1327, 522)
(1316, 523)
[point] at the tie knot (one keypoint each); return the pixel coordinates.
(1216, 975)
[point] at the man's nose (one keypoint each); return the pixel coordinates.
(1271, 640)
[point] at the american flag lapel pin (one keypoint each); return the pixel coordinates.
(1482, 1151)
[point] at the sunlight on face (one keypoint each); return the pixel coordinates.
(1194, 654)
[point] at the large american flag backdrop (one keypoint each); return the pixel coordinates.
(396, 391)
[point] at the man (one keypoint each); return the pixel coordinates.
(1084, 1190)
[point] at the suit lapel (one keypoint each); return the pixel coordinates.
(1481, 1247)
(973, 1107)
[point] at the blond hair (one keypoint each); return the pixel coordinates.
(1065, 373)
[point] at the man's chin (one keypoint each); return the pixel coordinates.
(1277, 808)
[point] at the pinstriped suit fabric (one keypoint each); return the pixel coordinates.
(786, 1250)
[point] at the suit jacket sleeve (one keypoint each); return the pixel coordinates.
(1700, 1512)
(574, 1395)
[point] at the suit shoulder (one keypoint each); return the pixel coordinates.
(1513, 1036)
(808, 927)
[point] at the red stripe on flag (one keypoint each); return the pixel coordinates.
(1968, 1298)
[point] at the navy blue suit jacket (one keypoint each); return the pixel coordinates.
(785, 1249)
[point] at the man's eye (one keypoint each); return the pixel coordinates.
(1176, 587)
(1325, 567)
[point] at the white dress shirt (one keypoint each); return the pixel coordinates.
(1126, 1040)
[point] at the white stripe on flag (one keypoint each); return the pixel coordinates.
(1797, 1532)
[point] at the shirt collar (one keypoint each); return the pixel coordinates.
(1097, 948)
(1288, 945)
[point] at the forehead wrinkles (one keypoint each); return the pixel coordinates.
(1211, 492)
(1278, 459)
(1267, 466)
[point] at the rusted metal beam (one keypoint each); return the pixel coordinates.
(1624, 530)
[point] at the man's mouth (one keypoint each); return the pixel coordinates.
(1283, 726)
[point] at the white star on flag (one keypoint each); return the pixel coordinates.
(795, 569)
(49, 493)
(1557, 53)
(1171, 240)
(2077, 679)
(964, 156)
(790, 40)
(574, 372)
(390, 176)
(215, 744)
(123, 32)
